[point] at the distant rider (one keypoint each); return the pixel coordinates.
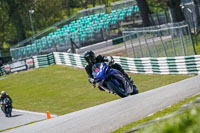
(3, 96)
(91, 59)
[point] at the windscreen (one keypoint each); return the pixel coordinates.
(96, 67)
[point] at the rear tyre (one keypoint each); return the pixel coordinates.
(10, 111)
(117, 89)
(9, 115)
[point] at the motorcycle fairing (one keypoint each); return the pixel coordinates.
(101, 72)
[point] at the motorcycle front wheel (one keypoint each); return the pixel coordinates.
(8, 112)
(117, 89)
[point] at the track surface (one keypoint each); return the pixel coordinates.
(112, 115)
(19, 117)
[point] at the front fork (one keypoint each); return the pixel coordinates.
(105, 88)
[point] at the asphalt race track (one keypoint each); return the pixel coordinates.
(112, 115)
(19, 117)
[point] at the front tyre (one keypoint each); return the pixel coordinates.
(10, 112)
(117, 89)
(135, 90)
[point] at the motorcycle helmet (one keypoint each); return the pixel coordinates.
(90, 57)
(3, 93)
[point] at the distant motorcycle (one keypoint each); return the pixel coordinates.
(112, 80)
(7, 107)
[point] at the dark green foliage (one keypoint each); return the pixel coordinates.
(15, 24)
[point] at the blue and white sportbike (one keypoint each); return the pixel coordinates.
(112, 80)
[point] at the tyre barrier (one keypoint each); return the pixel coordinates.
(163, 65)
(149, 65)
(43, 60)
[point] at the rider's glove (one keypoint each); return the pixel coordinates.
(91, 80)
(110, 60)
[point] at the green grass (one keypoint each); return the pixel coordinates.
(188, 122)
(164, 112)
(21, 125)
(197, 45)
(157, 50)
(61, 90)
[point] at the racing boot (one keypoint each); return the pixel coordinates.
(135, 90)
(128, 78)
(118, 67)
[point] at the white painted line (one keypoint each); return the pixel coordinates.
(169, 106)
(150, 114)
(195, 95)
(30, 112)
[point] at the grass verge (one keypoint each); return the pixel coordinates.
(61, 90)
(21, 125)
(164, 112)
(188, 122)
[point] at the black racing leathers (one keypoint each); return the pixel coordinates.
(99, 59)
(1, 101)
(88, 68)
(3, 97)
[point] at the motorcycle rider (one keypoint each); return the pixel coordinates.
(3, 96)
(91, 59)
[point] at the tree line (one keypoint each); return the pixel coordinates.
(15, 15)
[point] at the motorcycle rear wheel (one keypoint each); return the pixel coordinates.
(119, 91)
